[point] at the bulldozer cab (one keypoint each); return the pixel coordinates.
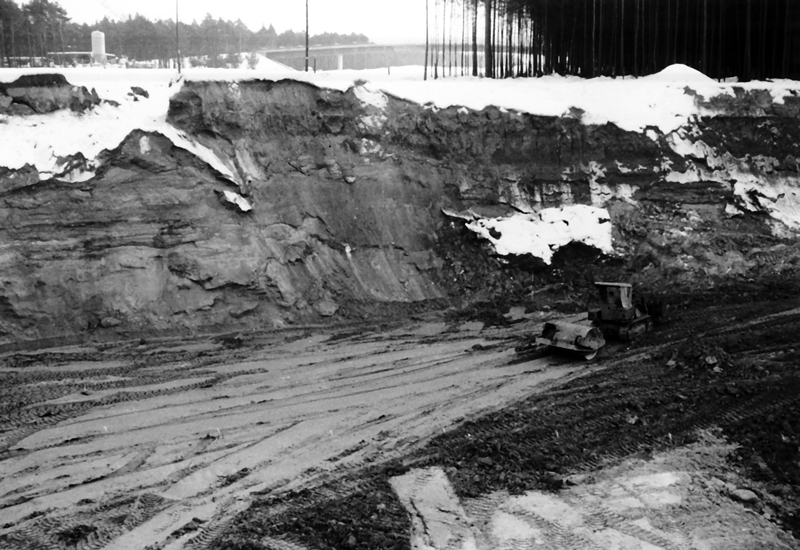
(617, 317)
(617, 295)
(616, 301)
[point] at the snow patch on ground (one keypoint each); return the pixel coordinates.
(263, 64)
(373, 98)
(542, 233)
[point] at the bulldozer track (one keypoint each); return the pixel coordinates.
(91, 529)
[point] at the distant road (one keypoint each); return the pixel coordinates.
(361, 56)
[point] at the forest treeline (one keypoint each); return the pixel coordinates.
(41, 26)
(751, 39)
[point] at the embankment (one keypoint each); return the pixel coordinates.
(286, 203)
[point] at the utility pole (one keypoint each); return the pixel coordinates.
(177, 37)
(306, 35)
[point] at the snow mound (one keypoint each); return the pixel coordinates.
(264, 64)
(679, 73)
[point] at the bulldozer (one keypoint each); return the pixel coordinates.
(617, 318)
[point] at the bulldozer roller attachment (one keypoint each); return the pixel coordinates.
(578, 338)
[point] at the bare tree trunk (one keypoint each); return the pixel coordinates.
(748, 41)
(612, 56)
(450, 49)
(3, 53)
(475, 38)
(705, 37)
(721, 31)
(520, 41)
(463, 37)
(427, 41)
(61, 35)
(444, 35)
(510, 45)
(762, 70)
(600, 62)
(667, 34)
(2, 44)
(594, 38)
(636, 39)
(14, 49)
(30, 46)
(497, 39)
(586, 42)
(686, 55)
(487, 47)
(774, 56)
(436, 40)
(786, 49)
(655, 38)
(675, 34)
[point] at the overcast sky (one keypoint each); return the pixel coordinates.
(383, 21)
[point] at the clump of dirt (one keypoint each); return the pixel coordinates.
(372, 517)
(190, 527)
(233, 478)
(39, 81)
(75, 535)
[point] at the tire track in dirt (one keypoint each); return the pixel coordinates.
(640, 398)
(359, 401)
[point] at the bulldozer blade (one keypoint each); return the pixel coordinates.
(580, 338)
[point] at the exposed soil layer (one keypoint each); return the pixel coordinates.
(284, 203)
(728, 360)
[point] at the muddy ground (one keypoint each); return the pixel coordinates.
(300, 439)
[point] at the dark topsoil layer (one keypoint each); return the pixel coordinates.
(707, 366)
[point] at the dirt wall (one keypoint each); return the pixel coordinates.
(331, 209)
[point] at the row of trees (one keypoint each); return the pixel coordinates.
(30, 30)
(746, 38)
(42, 26)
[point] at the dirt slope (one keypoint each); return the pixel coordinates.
(315, 204)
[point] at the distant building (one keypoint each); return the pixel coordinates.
(77, 58)
(99, 47)
(98, 55)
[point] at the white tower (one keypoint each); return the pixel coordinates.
(99, 47)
